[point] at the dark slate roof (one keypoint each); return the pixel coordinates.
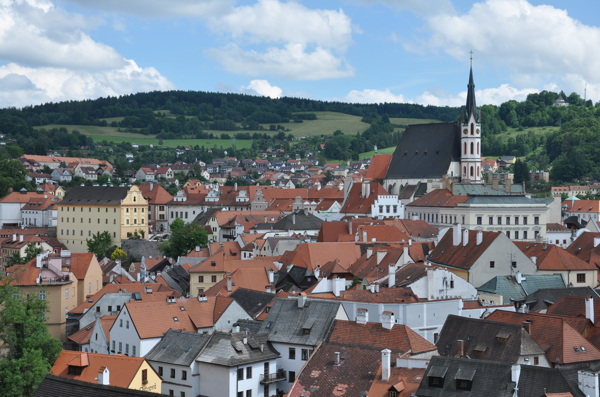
(203, 217)
(298, 220)
(253, 302)
(544, 298)
(53, 386)
(513, 200)
(287, 323)
(425, 151)
(178, 347)
(480, 339)
(230, 350)
(95, 195)
(493, 378)
(250, 326)
(471, 189)
(510, 290)
(180, 277)
(160, 266)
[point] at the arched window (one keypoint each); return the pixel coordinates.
(472, 148)
(464, 171)
(477, 148)
(477, 172)
(471, 170)
(465, 148)
(472, 129)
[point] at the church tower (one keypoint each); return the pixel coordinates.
(470, 137)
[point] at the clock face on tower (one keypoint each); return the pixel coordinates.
(477, 131)
(465, 131)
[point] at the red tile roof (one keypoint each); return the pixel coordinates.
(552, 257)
(461, 256)
(438, 198)
(379, 166)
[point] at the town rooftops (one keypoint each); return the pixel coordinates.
(178, 347)
(237, 348)
(95, 195)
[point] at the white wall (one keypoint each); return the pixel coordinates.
(441, 284)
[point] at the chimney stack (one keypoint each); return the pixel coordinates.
(456, 235)
(515, 373)
(301, 300)
(465, 237)
(461, 347)
(229, 284)
(391, 276)
(589, 309)
(336, 358)
(339, 285)
(104, 376)
(317, 272)
(271, 276)
(362, 316)
(479, 238)
(387, 320)
(385, 364)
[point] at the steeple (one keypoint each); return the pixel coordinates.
(471, 108)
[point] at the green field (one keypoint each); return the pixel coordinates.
(110, 134)
(407, 121)
(326, 124)
(387, 150)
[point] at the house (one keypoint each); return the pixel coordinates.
(87, 210)
(40, 212)
(478, 256)
(56, 385)
(128, 372)
(489, 340)
(145, 174)
(62, 175)
(459, 377)
(583, 210)
(141, 325)
(38, 178)
(174, 359)
(234, 364)
(514, 289)
(358, 358)
(560, 235)
(551, 259)
(54, 162)
(18, 245)
(11, 205)
(158, 211)
(295, 328)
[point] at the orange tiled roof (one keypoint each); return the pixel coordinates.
(582, 205)
(122, 368)
(310, 255)
(379, 166)
(439, 198)
(552, 257)
(461, 256)
(357, 204)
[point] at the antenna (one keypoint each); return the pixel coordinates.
(585, 93)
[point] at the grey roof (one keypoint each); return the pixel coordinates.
(493, 378)
(178, 347)
(250, 326)
(203, 217)
(53, 386)
(252, 301)
(512, 200)
(298, 220)
(510, 290)
(308, 325)
(230, 350)
(473, 189)
(425, 151)
(95, 195)
(544, 298)
(480, 339)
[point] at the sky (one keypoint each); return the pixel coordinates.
(359, 51)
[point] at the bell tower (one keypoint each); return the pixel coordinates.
(470, 137)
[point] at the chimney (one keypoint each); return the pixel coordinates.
(479, 238)
(293, 218)
(20, 237)
(197, 248)
(151, 186)
(364, 236)
(235, 186)
(385, 364)
(461, 347)
(405, 253)
(301, 300)
(268, 289)
(103, 376)
(588, 382)
(362, 316)
(369, 251)
(317, 272)
(589, 309)
(495, 183)
(465, 237)
(271, 276)
(14, 237)
(229, 284)
(339, 285)
(515, 373)
(596, 241)
(391, 276)
(519, 277)
(387, 320)
(456, 235)
(202, 298)
(534, 260)
(527, 326)
(336, 358)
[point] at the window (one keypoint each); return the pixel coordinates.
(183, 374)
(120, 347)
(248, 372)
(171, 392)
(516, 220)
(516, 235)
(524, 220)
(182, 394)
(113, 346)
(133, 350)
(126, 349)
(200, 279)
(42, 295)
(160, 371)
(291, 376)
(536, 360)
(525, 235)
(536, 220)
(508, 220)
(581, 277)
(499, 220)
(492, 264)
(436, 381)
(513, 264)
(479, 220)
(144, 376)
(121, 323)
(305, 354)
(463, 384)
(240, 374)
(249, 393)
(213, 279)
(292, 353)
(173, 373)
(508, 233)
(491, 220)
(240, 394)
(67, 293)
(127, 324)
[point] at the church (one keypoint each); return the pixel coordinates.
(438, 155)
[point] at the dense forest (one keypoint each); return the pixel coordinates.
(569, 151)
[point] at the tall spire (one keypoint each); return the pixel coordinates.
(471, 108)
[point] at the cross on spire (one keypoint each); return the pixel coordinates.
(471, 58)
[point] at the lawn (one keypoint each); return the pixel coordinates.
(387, 150)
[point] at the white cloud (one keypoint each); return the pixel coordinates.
(38, 85)
(374, 96)
(160, 8)
(263, 88)
(293, 61)
(38, 34)
(530, 44)
(488, 96)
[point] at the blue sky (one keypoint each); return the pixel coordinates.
(367, 51)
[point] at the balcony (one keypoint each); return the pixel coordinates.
(273, 377)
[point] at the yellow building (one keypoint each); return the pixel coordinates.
(87, 210)
(115, 370)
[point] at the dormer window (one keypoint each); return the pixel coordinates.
(502, 336)
(436, 376)
(464, 378)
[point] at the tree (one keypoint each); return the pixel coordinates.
(29, 350)
(521, 171)
(100, 244)
(118, 254)
(12, 175)
(184, 237)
